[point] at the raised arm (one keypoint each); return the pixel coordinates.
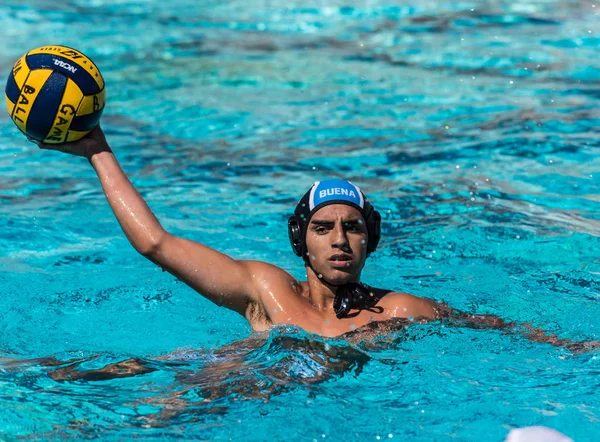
(218, 277)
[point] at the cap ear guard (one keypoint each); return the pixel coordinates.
(295, 234)
(374, 229)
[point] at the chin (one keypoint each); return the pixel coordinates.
(339, 277)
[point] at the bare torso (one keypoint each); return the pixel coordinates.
(281, 299)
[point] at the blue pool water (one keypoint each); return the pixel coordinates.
(472, 126)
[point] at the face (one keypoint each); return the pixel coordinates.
(336, 240)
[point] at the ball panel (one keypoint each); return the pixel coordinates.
(75, 135)
(29, 93)
(67, 109)
(12, 90)
(84, 80)
(20, 71)
(86, 122)
(45, 106)
(73, 56)
(92, 103)
(10, 105)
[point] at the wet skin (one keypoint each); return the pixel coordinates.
(337, 245)
(263, 293)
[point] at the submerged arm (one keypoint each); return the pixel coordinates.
(533, 333)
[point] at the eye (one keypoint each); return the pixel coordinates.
(321, 230)
(353, 227)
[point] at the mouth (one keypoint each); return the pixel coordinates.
(340, 260)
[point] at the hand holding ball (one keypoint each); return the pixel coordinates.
(55, 94)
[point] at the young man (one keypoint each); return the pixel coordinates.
(334, 229)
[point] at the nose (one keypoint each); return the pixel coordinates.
(339, 238)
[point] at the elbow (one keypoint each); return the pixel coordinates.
(152, 246)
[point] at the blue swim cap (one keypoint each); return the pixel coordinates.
(335, 191)
(324, 193)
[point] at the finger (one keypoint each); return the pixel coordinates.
(37, 143)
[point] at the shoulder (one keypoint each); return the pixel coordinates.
(268, 277)
(404, 305)
(269, 283)
(265, 270)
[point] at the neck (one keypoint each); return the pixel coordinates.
(320, 292)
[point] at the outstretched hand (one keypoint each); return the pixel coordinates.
(92, 143)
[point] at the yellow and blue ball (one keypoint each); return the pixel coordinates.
(55, 94)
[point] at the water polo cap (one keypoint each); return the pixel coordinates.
(324, 193)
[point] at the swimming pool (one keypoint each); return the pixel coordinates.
(473, 128)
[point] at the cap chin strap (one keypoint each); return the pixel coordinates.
(343, 300)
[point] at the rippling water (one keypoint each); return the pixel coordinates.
(473, 127)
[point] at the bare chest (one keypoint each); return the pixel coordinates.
(288, 306)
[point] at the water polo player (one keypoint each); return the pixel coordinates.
(334, 228)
